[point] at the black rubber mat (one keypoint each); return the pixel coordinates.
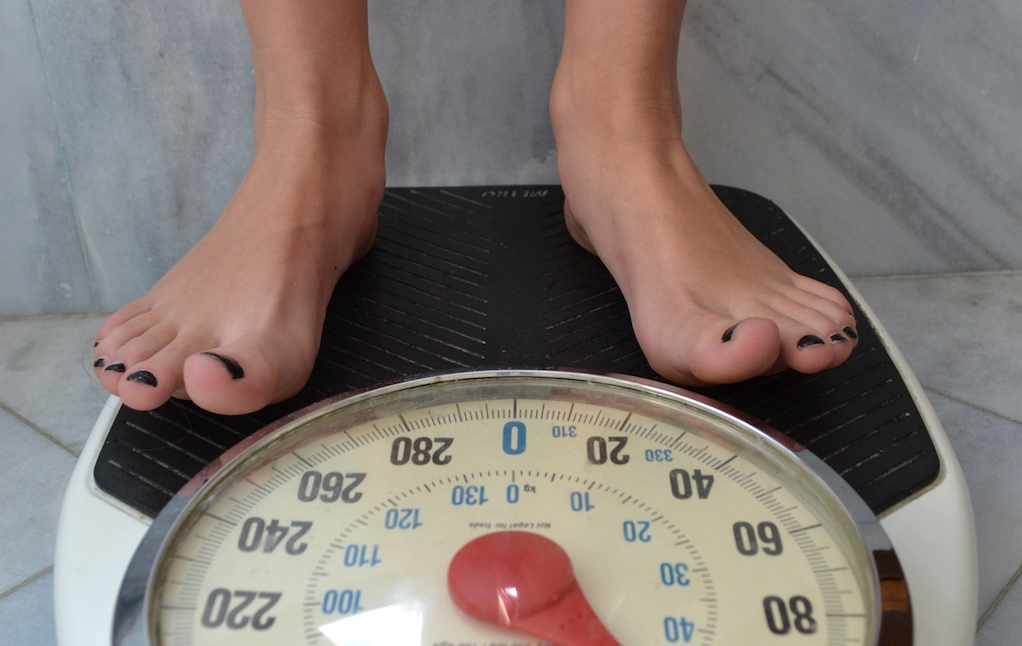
(488, 277)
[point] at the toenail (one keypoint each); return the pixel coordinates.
(729, 333)
(115, 367)
(850, 331)
(233, 367)
(809, 340)
(98, 363)
(838, 338)
(143, 377)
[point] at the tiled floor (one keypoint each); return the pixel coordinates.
(960, 333)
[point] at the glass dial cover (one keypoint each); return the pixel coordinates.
(523, 507)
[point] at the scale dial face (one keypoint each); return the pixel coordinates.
(511, 508)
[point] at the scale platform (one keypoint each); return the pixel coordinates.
(488, 278)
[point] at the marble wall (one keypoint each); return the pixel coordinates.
(892, 131)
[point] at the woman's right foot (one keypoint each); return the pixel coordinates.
(236, 323)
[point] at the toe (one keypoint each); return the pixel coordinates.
(711, 349)
(806, 348)
(830, 322)
(150, 383)
(144, 346)
(141, 389)
(824, 291)
(235, 379)
(110, 343)
(110, 374)
(120, 353)
(120, 317)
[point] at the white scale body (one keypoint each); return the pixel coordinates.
(932, 533)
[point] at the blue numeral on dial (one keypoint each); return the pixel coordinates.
(678, 630)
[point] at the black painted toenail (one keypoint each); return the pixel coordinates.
(233, 367)
(838, 338)
(98, 363)
(143, 377)
(850, 331)
(115, 367)
(809, 340)
(729, 333)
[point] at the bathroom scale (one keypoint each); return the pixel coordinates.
(483, 456)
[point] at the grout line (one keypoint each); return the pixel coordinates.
(16, 318)
(982, 409)
(4, 407)
(31, 579)
(1000, 597)
(939, 274)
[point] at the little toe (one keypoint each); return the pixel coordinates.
(234, 379)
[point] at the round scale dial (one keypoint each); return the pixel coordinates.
(513, 508)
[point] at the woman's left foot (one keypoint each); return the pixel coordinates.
(709, 303)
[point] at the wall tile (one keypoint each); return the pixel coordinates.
(154, 103)
(889, 130)
(42, 267)
(468, 86)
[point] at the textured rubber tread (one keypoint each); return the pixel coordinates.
(488, 277)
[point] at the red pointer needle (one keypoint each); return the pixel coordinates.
(524, 581)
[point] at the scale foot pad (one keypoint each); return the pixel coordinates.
(488, 277)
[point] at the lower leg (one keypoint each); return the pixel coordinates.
(709, 303)
(236, 323)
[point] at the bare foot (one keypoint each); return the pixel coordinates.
(709, 303)
(236, 323)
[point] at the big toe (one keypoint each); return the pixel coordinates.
(710, 349)
(240, 378)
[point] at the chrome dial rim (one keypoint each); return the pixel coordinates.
(852, 528)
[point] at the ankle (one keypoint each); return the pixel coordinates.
(323, 106)
(588, 127)
(613, 95)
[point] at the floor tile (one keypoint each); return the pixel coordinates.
(33, 475)
(26, 615)
(40, 358)
(989, 449)
(46, 375)
(1004, 626)
(959, 333)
